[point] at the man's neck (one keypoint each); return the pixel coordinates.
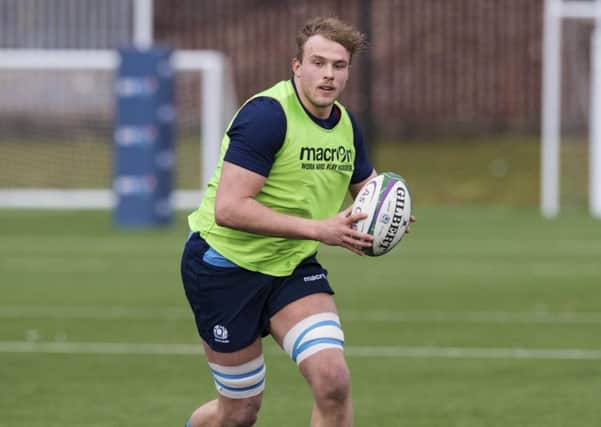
(320, 113)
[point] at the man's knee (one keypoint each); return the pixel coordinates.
(316, 345)
(330, 382)
(242, 412)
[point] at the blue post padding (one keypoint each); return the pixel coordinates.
(143, 137)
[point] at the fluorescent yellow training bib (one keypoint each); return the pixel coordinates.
(309, 178)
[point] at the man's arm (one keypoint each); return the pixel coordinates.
(236, 207)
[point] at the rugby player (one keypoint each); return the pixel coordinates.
(249, 267)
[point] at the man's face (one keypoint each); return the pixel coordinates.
(322, 74)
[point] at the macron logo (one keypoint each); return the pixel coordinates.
(327, 154)
(314, 277)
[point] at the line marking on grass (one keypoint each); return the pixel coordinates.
(94, 313)
(351, 351)
(367, 316)
(500, 317)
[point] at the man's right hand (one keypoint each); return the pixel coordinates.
(338, 231)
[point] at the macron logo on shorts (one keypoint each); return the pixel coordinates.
(314, 277)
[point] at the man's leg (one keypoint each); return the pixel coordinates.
(239, 378)
(227, 303)
(309, 330)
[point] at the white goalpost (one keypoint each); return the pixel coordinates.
(217, 101)
(216, 98)
(555, 12)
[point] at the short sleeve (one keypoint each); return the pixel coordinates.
(256, 135)
(362, 168)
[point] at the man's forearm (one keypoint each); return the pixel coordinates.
(252, 216)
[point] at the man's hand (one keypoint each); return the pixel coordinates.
(411, 220)
(338, 231)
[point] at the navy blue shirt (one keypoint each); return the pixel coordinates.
(259, 129)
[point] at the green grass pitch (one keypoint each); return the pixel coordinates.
(480, 317)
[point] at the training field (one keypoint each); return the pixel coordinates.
(481, 317)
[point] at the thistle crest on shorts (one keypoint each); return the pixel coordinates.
(220, 333)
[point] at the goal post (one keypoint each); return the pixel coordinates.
(555, 11)
(217, 100)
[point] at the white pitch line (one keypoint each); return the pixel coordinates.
(367, 316)
(500, 317)
(352, 351)
(94, 313)
(99, 348)
(475, 353)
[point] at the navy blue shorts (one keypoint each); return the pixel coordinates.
(232, 306)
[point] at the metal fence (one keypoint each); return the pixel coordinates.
(64, 24)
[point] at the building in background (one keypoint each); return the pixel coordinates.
(463, 66)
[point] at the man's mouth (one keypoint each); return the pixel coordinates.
(326, 88)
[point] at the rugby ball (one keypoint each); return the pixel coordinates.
(387, 202)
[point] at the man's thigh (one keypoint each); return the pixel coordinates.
(229, 303)
(290, 315)
(305, 292)
(234, 358)
(239, 375)
(309, 331)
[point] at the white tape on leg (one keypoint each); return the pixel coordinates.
(239, 382)
(313, 334)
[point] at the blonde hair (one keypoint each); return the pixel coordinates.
(332, 29)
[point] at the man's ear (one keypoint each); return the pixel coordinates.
(296, 65)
